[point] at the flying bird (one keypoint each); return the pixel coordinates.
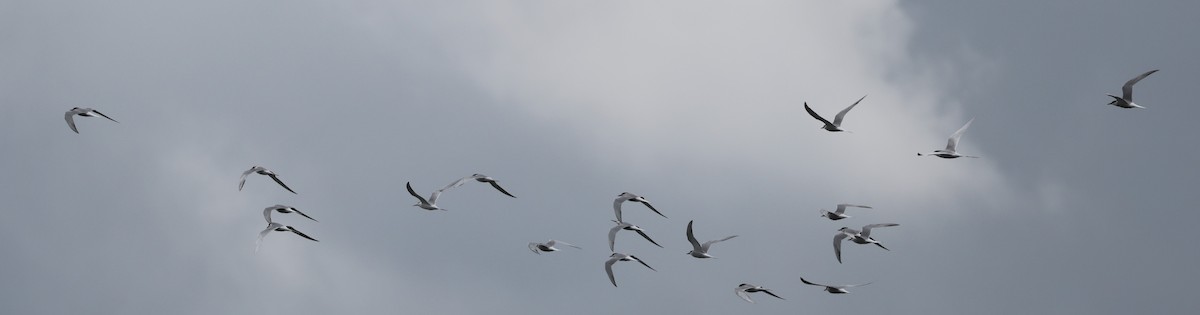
(479, 178)
(1126, 99)
(840, 212)
(835, 289)
(949, 152)
(278, 228)
(701, 250)
(743, 289)
(614, 258)
(537, 248)
(836, 125)
(625, 196)
(262, 171)
(856, 236)
(430, 204)
(85, 112)
(612, 234)
(283, 209)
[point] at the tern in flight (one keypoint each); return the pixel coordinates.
(430, 204)
(625, 196)
(744, 289)
(835, 289)
(262, 171)
(612, 234)
(701, 250)
(614, 258)
(949, 152)
(278, 228)
(1126, 99)
(840, 212)
(537, 248)
(85, 112)
(283, 209)
(479, 178)
(836, 125)
(856, 236)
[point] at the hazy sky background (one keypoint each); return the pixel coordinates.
(1074, 207)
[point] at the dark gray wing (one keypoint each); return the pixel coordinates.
(105, 116)
(647, 203)
(692, 238)
(414, 194)
(643, 234)
(768, 292)
(294, 230)
(276, 178)
(305, 215)
(814, 115)
(643, 263)
(497, 186)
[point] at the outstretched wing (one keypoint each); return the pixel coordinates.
(617, 206)
(267, 214)
(837, 120)
(501, 189)
(643, 234)
(640, 261)
(244, 174)
(811, 283)
(850, 285)
(533, 248)
(414, 193)
(105, 116)
(294, 230)
(647, 203)
(768, 292)
(814, 115)
(70, 117)
(692, 238)
(305, 215)
(841, 208)
(612, 237)
(608, 268)
(953, 142)
(458, 182)
(837, 245)
(866, 230)
(704, 247)
(742, 294)
(552, 242)
(276, 178)
(262, 235)
(1127, 89)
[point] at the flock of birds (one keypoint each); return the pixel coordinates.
(699, 250)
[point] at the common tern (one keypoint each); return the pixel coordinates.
(625, 196)
(85, 112)
(836, 125)
(278, 228)
(479, 178)
(949, 152)
(262, 171)
(744, 289)
(840, 212)
(430, 204)
(856, 236)
(1126, 99)
(612, 234)
(548, 246)
(614, 258)
(282, 209)
(701, 250)
(835, 289)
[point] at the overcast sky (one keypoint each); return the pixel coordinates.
(1074, 207)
